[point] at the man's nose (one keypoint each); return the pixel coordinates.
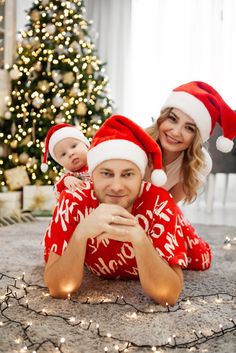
(117, 184)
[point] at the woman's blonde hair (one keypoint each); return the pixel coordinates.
(193, 159)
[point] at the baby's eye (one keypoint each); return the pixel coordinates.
(63, 154)
(74, 145)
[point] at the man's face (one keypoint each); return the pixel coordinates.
(117, 181)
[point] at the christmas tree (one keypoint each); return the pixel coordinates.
(56, 77)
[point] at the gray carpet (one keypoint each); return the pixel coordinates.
(203, 320)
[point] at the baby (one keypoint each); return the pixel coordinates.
(68, 147)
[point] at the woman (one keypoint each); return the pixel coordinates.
(187, 120)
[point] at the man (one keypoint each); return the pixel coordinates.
(120, 226)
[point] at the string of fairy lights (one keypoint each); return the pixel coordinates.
(17, 293)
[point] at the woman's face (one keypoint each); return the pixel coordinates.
(177, 131)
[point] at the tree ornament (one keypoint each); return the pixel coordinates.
(15, 73)
(35, 15)
(81, 109)
(89, 69)
(13, 144)
(75, 91)
(56, 76)
(15, 157)
(26, 140)
(37, 102)
(35, 43)
(32, 75)
(71, 6)
(37, 66)
(76, 29)
(32, 162)
(76, 46)
(50, 28)
(57, 101)
(60, 49)
(2, 151)
(25, 43)
(45, 2)
(59, 119)
(68, 78)
(43, 86)
(23, 158)
(13, 128)
(7, 115)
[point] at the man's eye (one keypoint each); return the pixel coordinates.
(127, 175)
(106, 174)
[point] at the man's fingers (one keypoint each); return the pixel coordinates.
(115, 210)
(117, 230)
(123, 220)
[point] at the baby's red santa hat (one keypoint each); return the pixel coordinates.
(206, 107)
(121, 138)
(57, 133)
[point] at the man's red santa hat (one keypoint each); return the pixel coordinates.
(57, 133)
(121, 138)
(206, 107)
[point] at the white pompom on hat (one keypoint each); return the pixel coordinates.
(57, 133)
(121, 138)
(206, 107)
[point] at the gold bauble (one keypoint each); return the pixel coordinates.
(24, 157)
(13, 144)
(81, 109)
(15, 157)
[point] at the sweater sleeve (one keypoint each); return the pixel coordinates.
(65, 218)
(60, 185)
(166, 231)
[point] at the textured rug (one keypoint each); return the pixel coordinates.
(114, 316)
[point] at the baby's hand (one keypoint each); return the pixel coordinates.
(73, 183)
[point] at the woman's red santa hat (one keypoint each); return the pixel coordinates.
(206, 107)
(121, 138)
(57, 133)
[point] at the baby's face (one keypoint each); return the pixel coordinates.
(71, 153)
